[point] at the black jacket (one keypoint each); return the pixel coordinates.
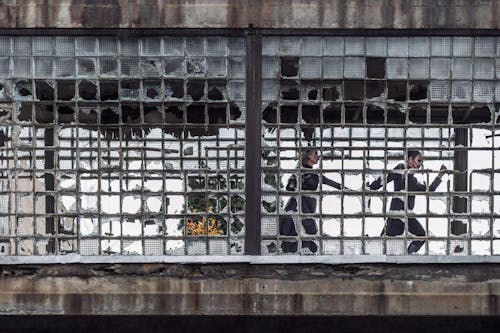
(310, 182)
(399, 185)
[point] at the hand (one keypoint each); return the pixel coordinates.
(442, 171)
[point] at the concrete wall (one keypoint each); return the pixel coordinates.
(331, 14)
(240, 289)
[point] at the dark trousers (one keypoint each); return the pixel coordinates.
(287, 228)
(396, 227)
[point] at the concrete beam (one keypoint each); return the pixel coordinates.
(316, 14)
(218, 289)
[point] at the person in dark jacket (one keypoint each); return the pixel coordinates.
(394, 226)
(310, 182)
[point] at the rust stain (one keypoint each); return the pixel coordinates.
(106, 13)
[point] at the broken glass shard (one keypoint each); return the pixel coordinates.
(195, 66)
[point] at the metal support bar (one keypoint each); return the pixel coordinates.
(49, 186)
(253, 143)
(460, 179)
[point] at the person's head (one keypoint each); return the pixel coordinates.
(414, 159)
(309, 157)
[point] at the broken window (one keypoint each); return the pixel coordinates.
(122, 145)
(372, 102)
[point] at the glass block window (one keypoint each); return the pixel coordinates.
(339, 126)
(122, 145)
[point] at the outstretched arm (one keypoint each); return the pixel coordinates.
(435, 183)
(331, 183)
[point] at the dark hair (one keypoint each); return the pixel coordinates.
(413, 153)
(305, 153)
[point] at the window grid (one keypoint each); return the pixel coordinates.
(102, 147)
(401, 101)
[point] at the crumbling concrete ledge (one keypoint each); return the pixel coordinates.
(246, 289)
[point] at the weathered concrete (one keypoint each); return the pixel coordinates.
(161, 289)
(328, 14)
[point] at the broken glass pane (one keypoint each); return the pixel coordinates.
(151, 67)
(86, 67)
(195, 66)
(174, 67)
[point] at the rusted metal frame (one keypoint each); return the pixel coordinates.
(253, 151)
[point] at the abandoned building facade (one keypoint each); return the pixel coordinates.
(175, 133)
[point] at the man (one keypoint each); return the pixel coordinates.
(394, 226)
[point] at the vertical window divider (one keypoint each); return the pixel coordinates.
(253, 147)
